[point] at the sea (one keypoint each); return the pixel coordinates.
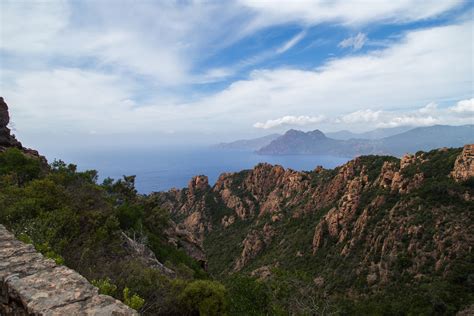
(160, 169)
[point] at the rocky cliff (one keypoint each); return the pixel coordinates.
(33, 285)
(6, 138)
(378, 219)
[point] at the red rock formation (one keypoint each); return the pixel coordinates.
(464, 165)
(269, 196)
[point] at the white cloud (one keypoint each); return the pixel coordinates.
(69, 99)
(301, 120)
(28, 27)
(390, 118)
(427, 115)
(356, 42)
(464, 107)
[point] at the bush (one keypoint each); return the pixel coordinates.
(205, 298)
(134, 301)
(105, 286)
(248, 296)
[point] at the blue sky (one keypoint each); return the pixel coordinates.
(152, 72)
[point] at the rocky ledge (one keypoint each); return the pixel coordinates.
(34, 285)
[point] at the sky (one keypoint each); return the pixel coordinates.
(144, 73)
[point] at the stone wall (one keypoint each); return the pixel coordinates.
(33, 285)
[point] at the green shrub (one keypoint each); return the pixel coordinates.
(248, 296)
(205, 297)
(132, 300)
(105, 286)
(22, 167)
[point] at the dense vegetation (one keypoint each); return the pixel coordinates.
(72, 219)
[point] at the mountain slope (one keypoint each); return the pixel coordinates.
(427, 138)
(376, 235)
(374, 134)
(249, 144)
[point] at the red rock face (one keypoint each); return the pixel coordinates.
(267, 196)
(198, 183)
(464, 165)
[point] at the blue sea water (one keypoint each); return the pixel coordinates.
(161, 169)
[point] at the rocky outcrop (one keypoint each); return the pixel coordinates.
(180, 237)
(464, 165)
(253, 244)
(6, 138)
(138, 250)
(33, 285)
(392, 177)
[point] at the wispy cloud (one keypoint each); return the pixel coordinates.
(292, 42)
(355, 42)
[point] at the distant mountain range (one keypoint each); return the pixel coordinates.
(420, 138)
(249, 144)
(389, 141)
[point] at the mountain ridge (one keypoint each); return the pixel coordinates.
(420, 138)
